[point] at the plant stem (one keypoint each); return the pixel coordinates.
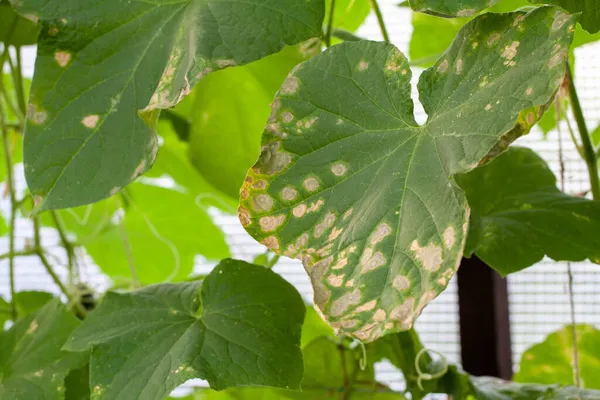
(271, 263)
(127, 246)
(65, 242)
(576, 371)
(4, 93)
(586, 143)
(377, 10)
(23, 253)
(330, 24)
(13, 214)
(19, 83)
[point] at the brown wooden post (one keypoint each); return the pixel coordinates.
(484, 320)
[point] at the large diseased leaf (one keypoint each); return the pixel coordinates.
(515, 197)
(32, 364)
(98, 64)
(589, 9)
(451, 8)
(349, 183)
(552, 360)
(239, 327)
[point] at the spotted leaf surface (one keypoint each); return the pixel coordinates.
(32, 364)
(451, 8)
(101, 62)
(589, 9)
(241, 326)
(348, 182)
(515, 196)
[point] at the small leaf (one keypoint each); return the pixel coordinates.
(239, 327)
(451, 8)
(16, 30)
(82, 140)
(596, 136)
(552, 360)
(515, 197)
(29, 301)
(589, 9)
(351, 185)
(230, 109)
(349, 15)
(314, 327)
(32, 364)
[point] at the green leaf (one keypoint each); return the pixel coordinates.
(30, 301)
(77, 384)
(349, 14)
(314, 327)
(5, 311)
(515, 197)
(164, 229)
(349, 183)
(32, 364)
(85, 141)
(596, 136)
(230, 110)
(16, 30)
(589, 9)
(451, 8)
(487, 388)
(552, 360)
(239, 327)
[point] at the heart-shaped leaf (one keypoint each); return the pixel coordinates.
(241, 326)
(32, 364)
(348, 182)
(99, 64)
(515, 196)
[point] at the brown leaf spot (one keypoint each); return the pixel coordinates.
(262, 202)
(430, 256)
(244, 216)
(342, 304)
(404, 311)
(290, 85)
(289, 193)
(335, 280)
(260, 184)
(449, 237)
(90, 121)
(443, 67)
(363, 65)
(338, 169)
(311, 184)
(382, 231)
(270, 223)
(271, 242)
(368, 306)
(299, 210)
(32, 327)
(401, 283)
(379, 315)
(510, 52)
(62, 58)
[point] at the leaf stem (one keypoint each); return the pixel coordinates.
(13, 213)
(24, 253)
(4, 93)
(68, 246)
(384, 32)
(130, 261)
(588, 149)
(576, 371)
(18, 78)
(330, 24)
